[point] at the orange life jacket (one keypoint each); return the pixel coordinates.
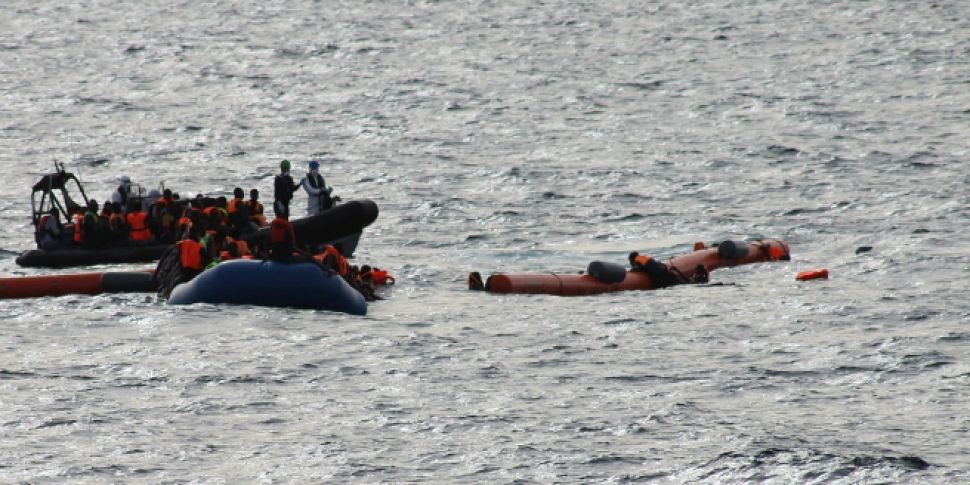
(377, 277)
(281, 231)
(233, 205)
(641, 260)
(139, 228)
(342, 268)
(115, 222)
(381, 277)
(78, 227)
(190, 254)
(255, 208)
(185, 224)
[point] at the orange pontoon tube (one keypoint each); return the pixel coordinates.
(689, 267)
(79, 284)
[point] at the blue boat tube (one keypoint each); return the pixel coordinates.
(273, 284)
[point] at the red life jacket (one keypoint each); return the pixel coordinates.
(381, 277)
(78, 228)
(232, 206)
(139, 229)
(342, 268)
(281, 231)
(190, 254)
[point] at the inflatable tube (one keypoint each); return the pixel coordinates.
(271, 283)
(606, 272)
(330, 225)
(685, 266)
(79, 284)
(63, 258)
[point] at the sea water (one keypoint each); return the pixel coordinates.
(513, 136)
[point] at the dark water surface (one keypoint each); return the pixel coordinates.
(510, 136)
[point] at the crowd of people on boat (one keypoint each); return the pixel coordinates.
(164, 217)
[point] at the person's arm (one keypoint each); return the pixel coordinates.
(310, 189)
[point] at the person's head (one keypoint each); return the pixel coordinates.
(167, 194)
(106, 206)
(92, 205)
(222, 202)
(238, 193)
(133, 206)
(314, 166)
(124, 180)
(285, 166)
(254, 194)
(52, 211)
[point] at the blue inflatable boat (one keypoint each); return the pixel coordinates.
(271, 283)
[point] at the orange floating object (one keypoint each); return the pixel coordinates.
(685, 266)
(813, 274)
(79, 284)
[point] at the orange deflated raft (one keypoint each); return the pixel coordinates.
(686, 268)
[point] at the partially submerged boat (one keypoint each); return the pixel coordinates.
(302, 285)
(609, 277)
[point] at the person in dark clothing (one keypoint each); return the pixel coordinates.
(90, 227)
(283, 189)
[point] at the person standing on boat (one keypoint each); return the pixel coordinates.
(318, 194)
(283, 190)
(121, 194)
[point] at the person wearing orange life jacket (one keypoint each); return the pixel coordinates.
(183, 225)
(334, 259)
(79, 227)
(138, 230)
(193, 256)
(49, 230)
(117, 229)
(662, 275)
(375, 276)
(255, 208)
(282, 238)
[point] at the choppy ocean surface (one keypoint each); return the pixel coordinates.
(510, 136)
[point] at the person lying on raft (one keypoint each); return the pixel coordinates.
(662, 275)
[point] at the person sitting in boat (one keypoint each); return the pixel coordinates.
(256, 208)
(192, 255)
(90, 235)
(117, 228)
(283, 190)
(49, 230)
(138, 230)
(318, 194)
(282, 238)
(239, 216)
(103, 219)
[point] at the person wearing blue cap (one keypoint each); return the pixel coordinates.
(318, 194)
